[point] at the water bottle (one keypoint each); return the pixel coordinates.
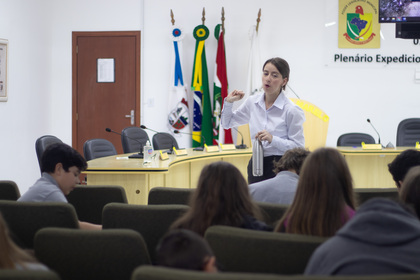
(147, 152)
(257, 158)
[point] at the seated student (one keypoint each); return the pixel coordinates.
(13, 257)
(60, 166)
(382, 238)
(282, 188)
(402, 163)
(410, 189)
(324, 197)
(185, 249)
(221, 198)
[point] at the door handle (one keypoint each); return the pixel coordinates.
(131, 116)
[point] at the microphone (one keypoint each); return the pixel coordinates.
(242, 146)
(202, 137)
(140, 154)
(379, 137)
(157, 132)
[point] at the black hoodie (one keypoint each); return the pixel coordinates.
(382, 238)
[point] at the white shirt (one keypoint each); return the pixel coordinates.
(284, 120)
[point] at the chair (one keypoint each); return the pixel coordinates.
(133, 139)
(42, 143)
(97, 148)
(9, 190)
(151, 221)
(408, 132)
(166, 195)
(244, 250)
(89, 200)
(355, 139)
(26, 218)
(14, 274)
(91, 254)
(163, 140)
(272, 212)
(164, 273)
(364, 194)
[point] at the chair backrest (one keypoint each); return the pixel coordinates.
(244, 250)
(164, 273)
(97, 148)
(14, 274)
(166, 195)
(89, 200)
(26, 218)
(163, 140)
(408, 132)
(9, 190)
(42, 143)
(151, 221)
(133, 139)
(355, 139)
(91, 254)
(272, 212)
(364, 194)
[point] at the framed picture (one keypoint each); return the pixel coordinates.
(4, 45)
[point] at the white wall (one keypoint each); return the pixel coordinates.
(39, 32)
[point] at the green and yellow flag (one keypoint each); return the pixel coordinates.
(202, 121)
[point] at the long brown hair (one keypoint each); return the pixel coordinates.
(10, 253)
(324, 189)
(221, 198)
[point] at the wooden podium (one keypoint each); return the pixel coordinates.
(315, 127)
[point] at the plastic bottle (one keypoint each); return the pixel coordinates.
(147, 152)
(257, 158)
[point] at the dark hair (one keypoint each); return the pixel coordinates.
(184, 249)
(292, 159)
(324, 189)
(410, 189)
(64, 154)
(221, 198)
(402, 163)
(282, 66)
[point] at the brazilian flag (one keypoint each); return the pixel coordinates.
(202, 120)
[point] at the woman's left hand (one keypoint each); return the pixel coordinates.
(264, 135)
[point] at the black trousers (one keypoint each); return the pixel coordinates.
(268, 166)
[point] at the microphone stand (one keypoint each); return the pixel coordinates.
(139, 154)
(171, 149)
(242, 146)
(196, 148)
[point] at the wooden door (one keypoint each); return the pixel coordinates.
(105, 103)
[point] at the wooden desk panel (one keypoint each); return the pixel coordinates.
(179, 172)
(369, 168)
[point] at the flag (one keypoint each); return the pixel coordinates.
(254, 81)
(220, 90)
(178, 116)
(202, 123)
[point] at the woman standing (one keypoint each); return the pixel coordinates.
(273, 119)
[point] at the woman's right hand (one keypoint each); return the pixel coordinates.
(235, 96)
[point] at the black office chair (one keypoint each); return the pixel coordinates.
(168, 195)
(42, 143)
(91, 254)
(163, 140)
(133, 139)
(90, 200)
(408, 132)
(9, 190)
(355, 139)
(97, 148)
